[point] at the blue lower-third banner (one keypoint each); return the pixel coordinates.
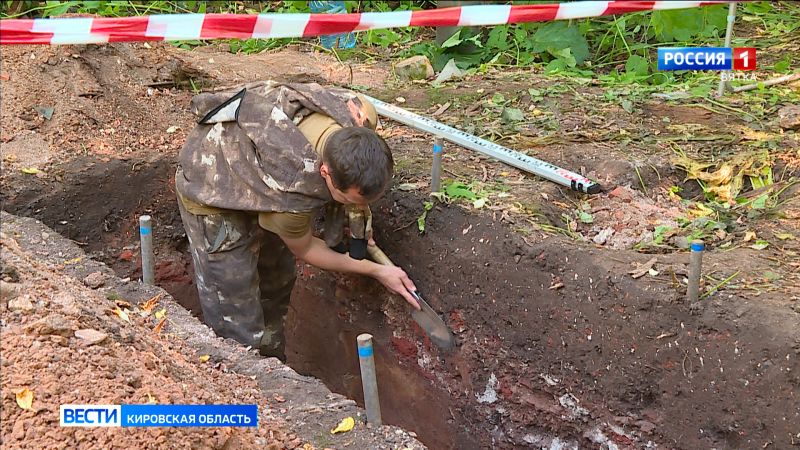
(159, 415)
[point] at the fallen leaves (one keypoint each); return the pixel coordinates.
(204, 358)
(122, 314)
(159, 325)
(151, 303)
(25, 398)
(29, 170)
(642, 269)
(344, 426)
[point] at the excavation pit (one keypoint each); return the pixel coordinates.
(558, 345)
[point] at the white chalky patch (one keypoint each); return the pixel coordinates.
(490, 393)
(215, 134)
(227, 318)
(216, 177)
(208, 160)
(277, 114)
(309, 165)
(258, 335)
(271, 183)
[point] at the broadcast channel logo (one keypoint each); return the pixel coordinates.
(706, 58)
(159, 415)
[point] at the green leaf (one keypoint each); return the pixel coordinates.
(760, 202)
(637, 65)
(555, 36)
(784, 64)
(512, 115)
(771, 276)
(760, 245)
(685, 24)
(565, 55)
(56, 8)
(453, 40)
(660, 233)
(785, 236)
(627, 105)
(498, 99)
(459, 190)
(427, 206)
(585, 217)
(498, 38)
(555, 66)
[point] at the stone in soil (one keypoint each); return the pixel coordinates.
(21, 304)
(414, 68)
(789, 117)
(95, 280)
(52, 324)
(90, 336)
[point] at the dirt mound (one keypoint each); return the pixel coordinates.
(75, 333)
(48, 350)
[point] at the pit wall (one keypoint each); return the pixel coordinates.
(559, 346)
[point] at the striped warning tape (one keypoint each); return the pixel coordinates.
(175, 27)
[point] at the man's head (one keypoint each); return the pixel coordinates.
(356, 165)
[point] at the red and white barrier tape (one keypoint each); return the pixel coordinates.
(175, 27)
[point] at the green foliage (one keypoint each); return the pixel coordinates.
(427, 206)
(688, 24)
(557, 43)
(616, 49)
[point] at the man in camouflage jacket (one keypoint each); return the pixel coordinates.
(251, 176)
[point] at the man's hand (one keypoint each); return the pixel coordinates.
(314, 251)
(396, 280)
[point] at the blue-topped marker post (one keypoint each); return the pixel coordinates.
(368, 381)
(436, 169)
(695, 269)
(146, 237)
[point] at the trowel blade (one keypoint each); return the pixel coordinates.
(432, 324)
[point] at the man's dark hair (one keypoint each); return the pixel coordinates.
(358, 157)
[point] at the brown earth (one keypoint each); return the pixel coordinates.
(42, 352)
(559, 345)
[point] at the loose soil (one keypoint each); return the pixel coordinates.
(559, 346)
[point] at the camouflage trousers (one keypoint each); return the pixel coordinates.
(244, 276)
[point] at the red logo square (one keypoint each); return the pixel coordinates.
(744, 58)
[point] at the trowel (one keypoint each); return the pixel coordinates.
(426, 317)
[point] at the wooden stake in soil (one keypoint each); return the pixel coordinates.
(728, 36)
(146, 237)
(368, 380)
(695, 268)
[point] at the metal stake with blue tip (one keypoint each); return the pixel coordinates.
(695, 268)
(368, 380)
(146, 236)
(436, 169)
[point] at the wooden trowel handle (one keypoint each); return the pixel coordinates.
(378, 256)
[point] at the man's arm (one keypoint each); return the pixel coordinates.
(314, 251)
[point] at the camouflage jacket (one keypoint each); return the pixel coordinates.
(247, 153)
